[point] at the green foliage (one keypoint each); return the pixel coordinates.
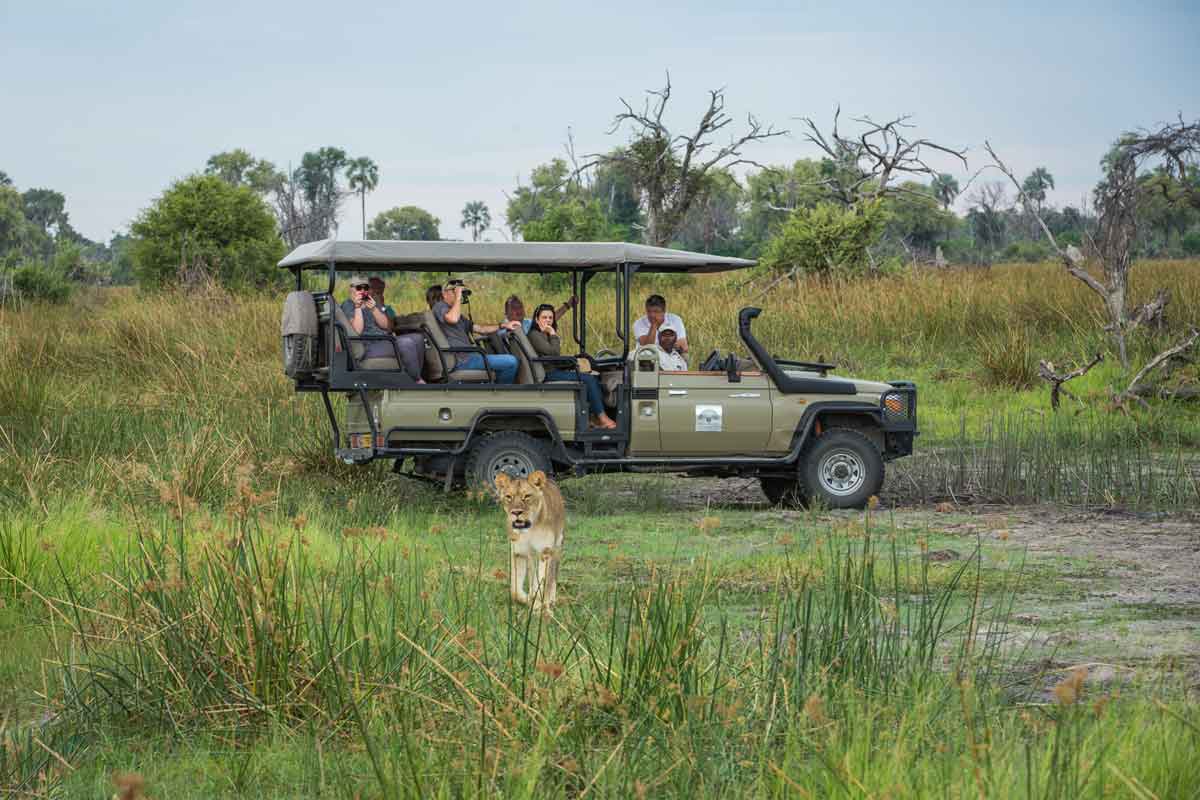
(13, 226)
(405, 222)
(45, 208)
(33, 281)
(944, 188)
(572, 221)
(712, 223)
(204, 228)
(1190, 243)
(825, 240)
(477, 218)
(239, 168)
(916, 217)
(1036, 184)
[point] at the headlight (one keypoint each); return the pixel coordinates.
(896, 405)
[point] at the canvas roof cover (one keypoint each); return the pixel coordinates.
(382, 255)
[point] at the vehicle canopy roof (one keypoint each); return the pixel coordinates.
(386, 255)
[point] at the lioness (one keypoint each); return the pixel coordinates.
(537, 520)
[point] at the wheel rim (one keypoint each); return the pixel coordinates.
(841, 473)
(517, 465)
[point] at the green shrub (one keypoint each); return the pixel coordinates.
(825, 240)
(40, 282)
(1190, 244)
(204, 229)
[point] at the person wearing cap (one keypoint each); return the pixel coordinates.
(669, 357)
(368, 319)
(457, 328)
(649, 328)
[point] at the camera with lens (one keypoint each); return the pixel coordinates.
(466, 293)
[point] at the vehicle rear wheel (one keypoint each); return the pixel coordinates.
(843, 468)
(518, 454)
(785, 492)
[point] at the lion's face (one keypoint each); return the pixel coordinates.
(522, 499)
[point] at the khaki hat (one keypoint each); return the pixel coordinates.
(358, 280)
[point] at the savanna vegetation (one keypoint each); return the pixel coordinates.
(197, 600)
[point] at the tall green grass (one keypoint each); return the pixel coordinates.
(854, 673)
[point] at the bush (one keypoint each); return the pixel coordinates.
(202, 229)
(40, 282)
(1190, 244)
(1026, 251)
(826, 239)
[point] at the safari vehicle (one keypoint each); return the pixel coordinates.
(805, 434)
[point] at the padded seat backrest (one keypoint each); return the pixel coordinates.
(356, 348)
(433, 363)
(525, 354)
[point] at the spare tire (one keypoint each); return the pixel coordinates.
(298, 327)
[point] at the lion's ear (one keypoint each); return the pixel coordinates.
(538, 479)
(502, 480)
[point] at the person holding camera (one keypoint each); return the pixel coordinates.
(448, 310)
(368, 318)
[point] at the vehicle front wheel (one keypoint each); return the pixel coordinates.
(518, 454)
(784, 491)
(843, 469)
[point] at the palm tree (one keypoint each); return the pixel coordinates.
(1036, 184)
(475, 215)
(363, 174)
(945, 188)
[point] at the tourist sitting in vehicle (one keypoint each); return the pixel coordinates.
(411, 345)
(544, 339)
(514, 309)
(649, 328)
(457, 328)
(669, 357)
(367, 318)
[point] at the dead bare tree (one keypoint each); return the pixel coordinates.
(670, 170)
(866, 162)
(1112, 244)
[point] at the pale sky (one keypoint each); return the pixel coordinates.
(110, 102)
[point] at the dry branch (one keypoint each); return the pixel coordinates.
(1046, 371)
(1163, 358)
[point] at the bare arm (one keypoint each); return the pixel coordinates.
(356, 320)
(565, 307)
(681, 345)
(381, 319)
(652, 336)
(454, 313)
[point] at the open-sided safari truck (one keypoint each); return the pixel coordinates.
(802, 432)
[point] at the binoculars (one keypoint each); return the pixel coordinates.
(466, 293)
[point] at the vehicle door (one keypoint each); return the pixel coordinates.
(706, 413)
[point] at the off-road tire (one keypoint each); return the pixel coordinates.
(784, 492)
(517, 453)
(299, 354)
(842, 468)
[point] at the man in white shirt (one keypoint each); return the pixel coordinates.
(649, 328)
(669, 358)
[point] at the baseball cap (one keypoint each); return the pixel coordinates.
(358, 280)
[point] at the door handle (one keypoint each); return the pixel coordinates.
(677, 392)
(746, 394)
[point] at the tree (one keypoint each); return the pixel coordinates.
(475, 215)
(13, 225)
(4, 179)
(239, 168)
(363, 174)
(825, 239)
(945, 188)
(549, 185)
(712, 223)
(915, 218)
(201, 228)
(1036, 184)
(575, 220)
(408, 222)
(668, 169)
(45, 208)
(617, 194)
(987, 217)
(776, 191)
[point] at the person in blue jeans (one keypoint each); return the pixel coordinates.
(446, 302)
(544, 339)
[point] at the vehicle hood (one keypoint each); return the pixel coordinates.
(863, 386)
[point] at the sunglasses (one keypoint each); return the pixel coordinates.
(362, 287)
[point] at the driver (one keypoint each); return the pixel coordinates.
(669, 357)
(458, 328)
